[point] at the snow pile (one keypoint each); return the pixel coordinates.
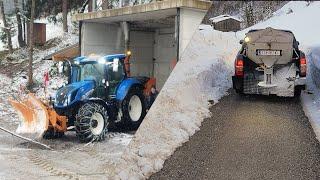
(203, 74)
(311, 102)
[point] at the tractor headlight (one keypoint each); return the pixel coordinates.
(87, 95)
(70, 98)
(246, 39)
(101, 60)
(65, 103)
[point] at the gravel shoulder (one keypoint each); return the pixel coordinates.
(251, 137)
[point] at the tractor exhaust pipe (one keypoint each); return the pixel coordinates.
(126, 32)
(127, 63)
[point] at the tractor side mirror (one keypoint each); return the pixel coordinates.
(241, 41)
(61, 67)
(115, 65)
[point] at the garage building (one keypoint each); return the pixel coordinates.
(155, 33)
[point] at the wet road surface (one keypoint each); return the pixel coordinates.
(250, 137)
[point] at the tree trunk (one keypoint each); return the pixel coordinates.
(105, 4)
(31, 41)
(90, 6)
(6, 28)
(21, 41)
(65, 15)
(24, 22)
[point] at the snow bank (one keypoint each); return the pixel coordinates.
(202, 74)
(311, 102)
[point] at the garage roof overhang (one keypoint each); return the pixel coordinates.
(151, 11)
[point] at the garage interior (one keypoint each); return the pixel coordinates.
(155, 33)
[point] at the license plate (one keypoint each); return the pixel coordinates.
(268, 52)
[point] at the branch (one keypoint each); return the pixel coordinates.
(25, 138)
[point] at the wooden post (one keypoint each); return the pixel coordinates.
(65, 15)
(31, 41)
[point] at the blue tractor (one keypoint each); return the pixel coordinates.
(100, 93)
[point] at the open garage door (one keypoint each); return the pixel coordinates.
(165, 55)
(142, 47)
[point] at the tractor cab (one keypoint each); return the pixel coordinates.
(106, 72)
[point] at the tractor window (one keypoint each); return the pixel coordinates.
(115, 75)
(92, 72)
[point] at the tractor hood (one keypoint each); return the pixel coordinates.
(72, 93)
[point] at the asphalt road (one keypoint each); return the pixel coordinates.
(249, 138)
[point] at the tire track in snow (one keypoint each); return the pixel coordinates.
(45, 164)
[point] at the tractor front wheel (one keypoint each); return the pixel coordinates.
(91, 122)
(133, 109)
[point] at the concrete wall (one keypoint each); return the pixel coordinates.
(190, 20)
(101, 39)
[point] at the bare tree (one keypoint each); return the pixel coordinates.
(6, 28)
(31, 41)
(90, 5)
(65, 15)
(105, 4)
(21, 41)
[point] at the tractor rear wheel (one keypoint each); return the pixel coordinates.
(91, 122)
(133, 109)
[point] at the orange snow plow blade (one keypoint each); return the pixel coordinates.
(36, 117)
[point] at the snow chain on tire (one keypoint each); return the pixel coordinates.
(85, 123)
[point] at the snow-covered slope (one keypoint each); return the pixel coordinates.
(53, 30)
(302, 21)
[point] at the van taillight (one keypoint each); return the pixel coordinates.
(239, 67)
(303, 66)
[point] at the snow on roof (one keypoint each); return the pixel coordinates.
(223, 17)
